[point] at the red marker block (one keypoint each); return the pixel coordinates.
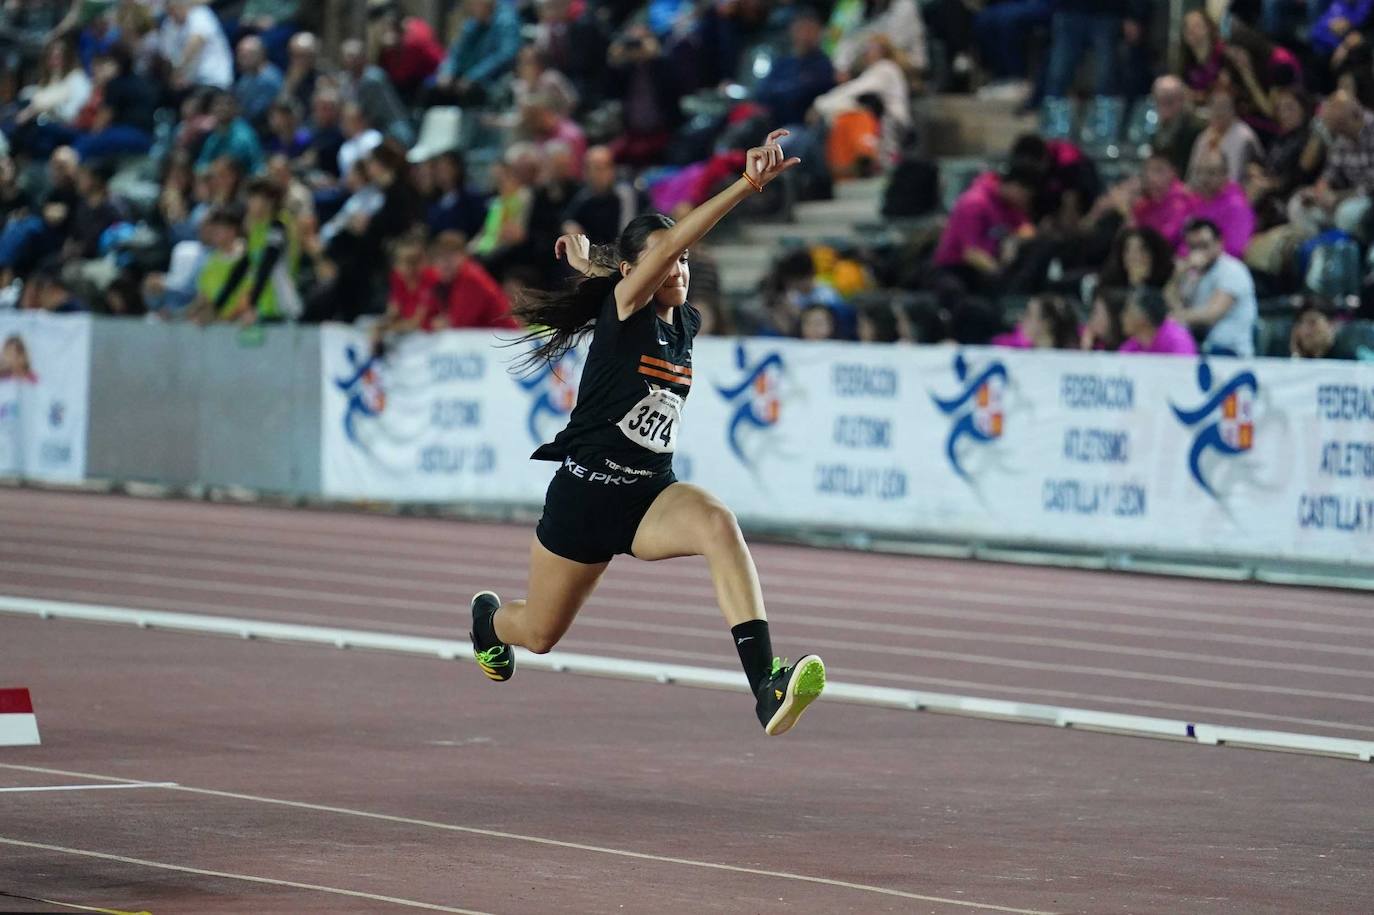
(18, 724)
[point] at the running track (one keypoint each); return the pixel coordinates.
(411, 756)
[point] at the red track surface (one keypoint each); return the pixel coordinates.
(663, 780)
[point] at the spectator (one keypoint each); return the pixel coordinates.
(899, 23)
(1002, 30)
(363, 200)
(544, 126)
(368, 86)
(360, 139)
(326, 136)
(1204, 54)
(1222, 202)
(1315, 337)
(1178, 126)
(483, 52)
(264, 279)
(792, 86)
(359, 251)
(1149, 329)
(1342, 193)
(193, 44)
(58, 98)
(883, 75)
(1338, 20)
(457, 206)
(1214, 294)
(95, 211)
(286, 135)
(1294, 156)
(572, 45)
(1049, 322)
(604, 206)
(217, 280)
(817, 323)
(465, 294)
(978, 241)
(881, 323)
(410, 52)
(232, 136)
(1164, 203)
(297, 201)
(555, 189)
(795, 290)
(1227, 135)
(1140, 257)
(642, 80)
(123, 119)
(259, 80)
(1077, 26)
(274, 21)
(410, 303)
(508, 213)
(534, 78)
(1103, 332)
(302, 69)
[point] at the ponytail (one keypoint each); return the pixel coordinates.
(559, 319)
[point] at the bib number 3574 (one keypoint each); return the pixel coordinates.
(654, 421)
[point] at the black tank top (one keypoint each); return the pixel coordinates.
(637, 375)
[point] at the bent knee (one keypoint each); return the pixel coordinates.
(719, 527)
(542, 642)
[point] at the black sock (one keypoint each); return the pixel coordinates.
(484, 627)
(755, 651)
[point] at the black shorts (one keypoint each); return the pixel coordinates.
(591, 516)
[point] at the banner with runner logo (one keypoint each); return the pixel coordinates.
(1217, 458)
(45, 370)
(439, 418)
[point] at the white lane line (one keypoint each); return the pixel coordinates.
(559, 843)
(500, 571)
(23, 790)
(1015, 691)
(227, 875)
(595, 665)
(1111, 673)
(404, 544)
(607, 596)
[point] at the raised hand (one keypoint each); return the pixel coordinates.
(576, 249)
(766, 162)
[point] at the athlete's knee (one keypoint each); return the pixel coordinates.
(719, 527)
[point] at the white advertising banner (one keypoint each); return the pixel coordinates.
(1219, 458)
(45, 371)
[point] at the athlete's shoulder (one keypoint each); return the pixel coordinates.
(691, 319)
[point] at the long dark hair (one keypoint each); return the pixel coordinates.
(558, 319)
(1161, 258)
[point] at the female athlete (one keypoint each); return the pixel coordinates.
(614, 491)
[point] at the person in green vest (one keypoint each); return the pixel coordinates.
(263, 285)
(222, 234)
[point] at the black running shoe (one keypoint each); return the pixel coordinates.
(497, 660)
(788, 691)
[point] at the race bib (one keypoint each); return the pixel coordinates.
(653, 422)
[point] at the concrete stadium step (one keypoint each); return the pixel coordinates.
(844, 211)
(806, 232)
(964, 125)
(870, 189)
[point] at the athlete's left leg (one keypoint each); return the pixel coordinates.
(686, 520)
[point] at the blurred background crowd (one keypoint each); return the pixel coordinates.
(1199, 177)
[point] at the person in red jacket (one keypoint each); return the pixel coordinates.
(465, 294)
(409, 51)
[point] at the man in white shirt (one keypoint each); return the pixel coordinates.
(1215, 293)
(193, 42)
(359, 137)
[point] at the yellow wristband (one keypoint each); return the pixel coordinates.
(747, 177)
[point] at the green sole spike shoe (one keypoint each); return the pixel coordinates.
(788, 691)
(497, 660)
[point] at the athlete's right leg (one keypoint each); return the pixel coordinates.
(558, 589)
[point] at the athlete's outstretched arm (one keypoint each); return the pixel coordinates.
(762, 165)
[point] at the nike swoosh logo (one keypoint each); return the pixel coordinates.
(663, 343)
(747, 638)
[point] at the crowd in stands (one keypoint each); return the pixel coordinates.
(213, 162)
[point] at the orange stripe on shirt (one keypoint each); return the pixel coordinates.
(659, 363)
(655, 373)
